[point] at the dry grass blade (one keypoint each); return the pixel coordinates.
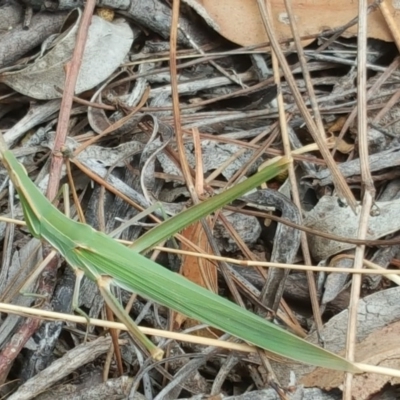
(368, 185)
(293, 180)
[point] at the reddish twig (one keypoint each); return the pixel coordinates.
(72, 70)
(15, 345)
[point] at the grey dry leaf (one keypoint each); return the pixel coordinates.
(105, 156)
(329, 216)
(214, 156)
(107, 45)
(23, 263)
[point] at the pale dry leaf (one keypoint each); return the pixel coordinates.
(240, 21)
(106, 47)
(374, 313)
(380, 348)
(331, 217)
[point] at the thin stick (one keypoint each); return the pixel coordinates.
(175, 103)
(72, 69)
(42, 314)
(293, 180)
(391, 23)
(375, 269)
(369, 190)
(272, 295)
(54, 316)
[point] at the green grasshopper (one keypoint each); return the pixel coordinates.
(107, 262)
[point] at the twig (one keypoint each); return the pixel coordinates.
(72, 71)
(375, 87)
(391, 23)
(175, 102)
(369, 190)
(295, 192)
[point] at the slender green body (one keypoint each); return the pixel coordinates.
(98, 256)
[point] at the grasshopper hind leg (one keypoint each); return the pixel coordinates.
(104, 284)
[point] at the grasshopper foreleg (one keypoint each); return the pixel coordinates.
(75, 298)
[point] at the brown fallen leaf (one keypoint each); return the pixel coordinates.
(240, 21)
(197, 270)
(381, 348)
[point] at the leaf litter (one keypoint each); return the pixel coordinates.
(124, 88)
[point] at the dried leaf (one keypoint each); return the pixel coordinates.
(331, 217)
(241, 22)
(106, 47)
(198, 270)
(374, 313)
(214, 155)
(380, 348)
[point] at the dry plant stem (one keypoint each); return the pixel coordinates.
(115, 346)
(15, 345)
(270, 151)
(272, 379)
(340, 183)
(233, 78)
(72, 71)
(71, 183)
(393, 100)
(369, 264)
(368, 242)
(107, 362)
(337, 32)
(390, 22)
(303, 65)
(199, 174)
(293, 181)
(271, 294)
(377, 84)
(177, 115)
(375, 269)
(369, 190)
(175, 102)
(115, 125)
(61, 368)
(54, 316)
